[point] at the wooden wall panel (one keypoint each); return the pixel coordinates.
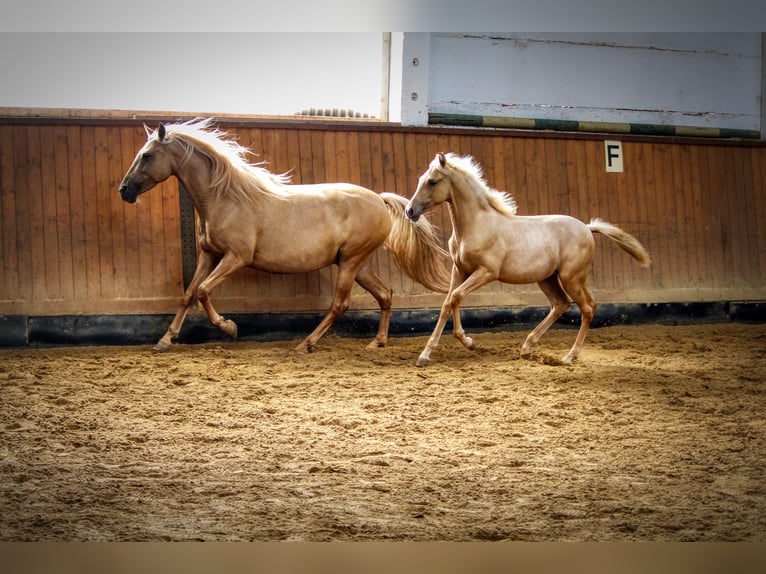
(69, 245)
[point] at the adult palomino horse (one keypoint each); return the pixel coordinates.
(489, 241)
(252, 217)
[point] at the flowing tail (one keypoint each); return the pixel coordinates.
(416, 248)
(623, 239)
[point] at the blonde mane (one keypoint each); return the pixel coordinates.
(499, 200)
(231, 173)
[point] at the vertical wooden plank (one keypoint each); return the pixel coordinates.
(757, 160)
(753, 265)
(340, 145)
(63, 212)
(330, 157)
(748, 226)
(77, 216)
(9, 284)
(36, 214)
(570, 150)
(365, 154)
(558, 183)
(317, 156)
(101, 198)
(403, 180)
(666, 214)
(376, 163)
(745, 262)
(708, 226)
(694, 204)
(131, 243)
(539, 173)
(47, 199)
(92, 223)
(676, 241)
(388, 157)
(304, 155)
(121, 217)
(719, 205)
(24, 240)
(683, 195)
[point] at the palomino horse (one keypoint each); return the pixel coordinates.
(489, 241)
(251, 217)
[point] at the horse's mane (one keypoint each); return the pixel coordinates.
(499, 200)
(231, 173)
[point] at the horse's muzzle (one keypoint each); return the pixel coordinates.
(129, 193)
(413, 212)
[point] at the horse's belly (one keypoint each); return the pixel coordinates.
(296, 258)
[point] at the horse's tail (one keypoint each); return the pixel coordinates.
(623, 239)
(415, 247)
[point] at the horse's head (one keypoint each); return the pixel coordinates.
(153, 164)
(434, 187)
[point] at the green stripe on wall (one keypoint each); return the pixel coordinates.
(469, 120)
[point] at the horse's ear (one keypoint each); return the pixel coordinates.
(161, 132)
(442, 159)
(148, 131)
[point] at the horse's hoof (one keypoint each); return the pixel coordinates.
(526, 352)
(162, 346)
(469, 344)
(376, 345)
(422, 361)
(229, 327)
(568, 360)
(303, 349)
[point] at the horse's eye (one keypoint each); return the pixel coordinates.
(146, 156)
(432, 181)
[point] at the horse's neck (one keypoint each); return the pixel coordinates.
(466, 205)
(194, 175)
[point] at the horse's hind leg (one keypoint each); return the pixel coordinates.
(204, 265)
(587, 304)
(340, 302)
(370, 281)
(559, 304)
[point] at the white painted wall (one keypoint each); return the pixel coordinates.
(689, 79)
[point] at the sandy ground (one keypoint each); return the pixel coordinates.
(658, 433)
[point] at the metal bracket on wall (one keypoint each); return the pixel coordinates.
(188, 235)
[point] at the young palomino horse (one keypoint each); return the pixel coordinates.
(251, 217)
(489, 241)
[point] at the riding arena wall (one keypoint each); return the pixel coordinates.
(77, 264)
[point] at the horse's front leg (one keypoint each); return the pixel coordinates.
(205, 263)
(229, 263)
(458, 290)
